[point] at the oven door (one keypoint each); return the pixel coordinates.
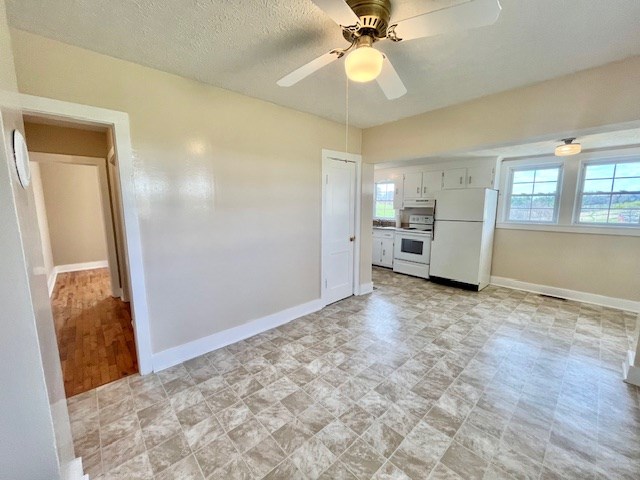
(412, 247)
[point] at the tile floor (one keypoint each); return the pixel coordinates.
(413, 381)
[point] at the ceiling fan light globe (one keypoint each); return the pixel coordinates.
(568, 149)
(363, 64)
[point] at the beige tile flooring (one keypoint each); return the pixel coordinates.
(413, 381)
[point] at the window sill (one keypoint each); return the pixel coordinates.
(582, 229)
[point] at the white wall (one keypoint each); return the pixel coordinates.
(30, 446)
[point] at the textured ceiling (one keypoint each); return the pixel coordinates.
(247, 45)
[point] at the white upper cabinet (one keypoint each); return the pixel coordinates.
(413, 185)
(472, 177)
(479, 177)
(454, 178)
(431, 182)
(422, 184)
(397, 195)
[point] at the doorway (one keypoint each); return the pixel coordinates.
(83, 249)
(340, 218)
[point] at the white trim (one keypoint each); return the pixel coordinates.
(77, 267)
(357, 159)
(630, 372)
(119, 123)
(74, 470)
(51, 281)
(585, 297)
(569, 191)
(582, 172)
(187, 351)
(365, 289)
(72, 267)
(591, 230)
(106, 206)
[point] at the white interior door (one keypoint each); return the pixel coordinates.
(338, 229)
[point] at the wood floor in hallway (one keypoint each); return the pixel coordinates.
(94, 331)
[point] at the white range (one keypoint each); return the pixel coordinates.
(412, 247)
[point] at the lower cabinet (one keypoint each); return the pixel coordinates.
(383, 248)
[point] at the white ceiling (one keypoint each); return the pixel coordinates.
(247, 45)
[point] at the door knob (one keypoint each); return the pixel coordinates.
(351, 239)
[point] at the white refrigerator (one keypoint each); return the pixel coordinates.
(463, 237)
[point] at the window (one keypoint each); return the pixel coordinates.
(533, 195)
(610, 193)
(383, 209)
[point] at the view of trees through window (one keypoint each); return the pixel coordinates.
(384, 201)
(610, 194)
(534, 195)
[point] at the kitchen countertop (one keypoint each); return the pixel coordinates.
(375, 227)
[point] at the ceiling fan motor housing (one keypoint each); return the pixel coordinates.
(374, 18)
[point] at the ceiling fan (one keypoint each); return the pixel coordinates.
(365, 22)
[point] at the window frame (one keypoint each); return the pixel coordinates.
(375, 199)
(582, 172)
(509, 191)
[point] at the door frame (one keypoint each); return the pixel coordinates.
(118, 122)
(357, 159)
(105, 203)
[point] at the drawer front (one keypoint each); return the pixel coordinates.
(377, 233)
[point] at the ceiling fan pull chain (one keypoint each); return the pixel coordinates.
(346, 133)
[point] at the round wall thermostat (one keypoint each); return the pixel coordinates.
(21, 155)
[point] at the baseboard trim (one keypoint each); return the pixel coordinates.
(630, 372)
(602, 300)
(74, 470)
(174, 356)
(72, 267)
(365, 288)
(77, 267)
(51, 281)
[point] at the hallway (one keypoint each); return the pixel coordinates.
(94, 331)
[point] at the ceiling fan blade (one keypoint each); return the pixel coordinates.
(339, 11)
(390, 82)
(475, 13)
(306, 70)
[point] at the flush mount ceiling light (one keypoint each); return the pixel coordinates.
(568, 148)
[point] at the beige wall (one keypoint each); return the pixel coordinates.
(34, 426)
(228, 187)
(589, 99)
(65, 140)
(74, 212)
(602, 264)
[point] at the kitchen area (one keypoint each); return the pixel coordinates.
(435, 220)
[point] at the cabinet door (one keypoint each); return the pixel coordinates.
(431, 182)
(413, 185)
(479, 177)
(387, 252)
(397, 195)
(455, 178)
(376, 257)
